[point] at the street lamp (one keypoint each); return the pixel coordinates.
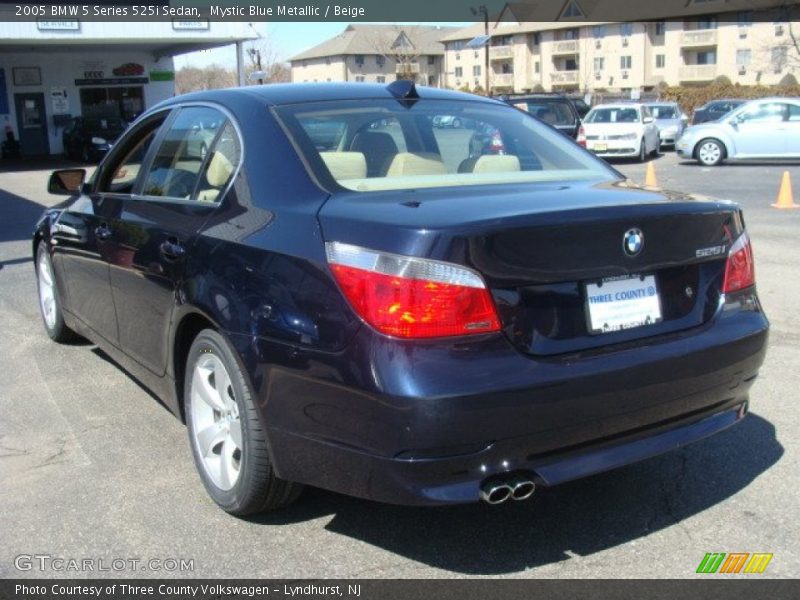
(482, 10)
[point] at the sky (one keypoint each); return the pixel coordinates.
(287, 39)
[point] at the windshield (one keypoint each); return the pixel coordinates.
(613, 115)
(105, 124)
(369, 145)
(664, 112)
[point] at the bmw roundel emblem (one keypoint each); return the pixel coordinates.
(633, 241)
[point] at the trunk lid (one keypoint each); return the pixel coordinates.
(539, 246)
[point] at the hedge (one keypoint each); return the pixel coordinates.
(693, 97)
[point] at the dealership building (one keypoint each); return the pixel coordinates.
(52, 71)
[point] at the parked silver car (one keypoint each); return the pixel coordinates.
(760, 129)
(670, 119)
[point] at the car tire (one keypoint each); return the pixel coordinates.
(642, 151)
(49, 298)
(710, 152)
(227, 437)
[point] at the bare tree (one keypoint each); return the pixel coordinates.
(212, 77)
(396, 46)
(264, 58)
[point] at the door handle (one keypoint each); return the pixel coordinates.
(102, 232)
(172, 250)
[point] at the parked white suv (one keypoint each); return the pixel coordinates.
(619, 131)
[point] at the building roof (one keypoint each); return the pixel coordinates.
(374, 39)
(529, 17)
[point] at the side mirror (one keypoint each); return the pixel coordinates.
(66, 182)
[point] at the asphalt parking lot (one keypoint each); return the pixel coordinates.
(92, 466)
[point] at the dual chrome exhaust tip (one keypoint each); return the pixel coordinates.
(498, 489)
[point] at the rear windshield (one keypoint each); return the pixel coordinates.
(552, 113)
(664, 112)
(613, 115)
(369, 145)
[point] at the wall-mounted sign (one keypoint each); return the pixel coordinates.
(162, 76)
(113, 81)
(189, 25)
(58, 25)
(27, 75)
(58, 97)
(128, 70)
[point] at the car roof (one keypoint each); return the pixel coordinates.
(619, 105)
(293, 93)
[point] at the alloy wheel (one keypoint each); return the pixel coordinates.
(217, 429)
(47, 296)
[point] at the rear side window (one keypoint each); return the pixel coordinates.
(196, 157)
(388, 144)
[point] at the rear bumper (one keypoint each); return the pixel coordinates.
(615, 148)
(425, 423)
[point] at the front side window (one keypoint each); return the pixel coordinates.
(123, 169)
(188, 152)
(388, 144)
(664, 111)
(773, 112)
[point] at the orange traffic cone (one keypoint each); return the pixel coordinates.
(785, 198)
(650, 176)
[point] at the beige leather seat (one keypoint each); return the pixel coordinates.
(408, 164)
(490, 163)
(345, 165)
(217, 175)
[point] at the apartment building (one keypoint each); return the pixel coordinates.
(377, 54)
(573, 55)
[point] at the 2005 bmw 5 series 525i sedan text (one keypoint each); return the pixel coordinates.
(336, 292)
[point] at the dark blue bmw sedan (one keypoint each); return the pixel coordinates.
(331, 290)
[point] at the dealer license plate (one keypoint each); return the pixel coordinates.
(618, 303)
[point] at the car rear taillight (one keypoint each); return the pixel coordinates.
(581, 139)
(412, 297)
(739, 269)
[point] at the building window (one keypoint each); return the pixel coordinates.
(360, 60)
(598, 63)
(570, 64)
(459, 71)
(661, 27)
(359, 78)
(327, 60)
(744, 18)
(457, 45)
(625, 62)
(303, 64)
(779, 58)
(572, 11)
(707, 23)
(626, 29)
(381, 79)
(431, 60)
(661, 61)
(458, 56)
(743, 57)
(707, 58)
(599, 31)
(476, 71)
(571, 34)
(507, 68)
(537, 38)
(536, 67)
(380, 60)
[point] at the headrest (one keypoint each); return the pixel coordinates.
(345, 165)
(219, 170)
